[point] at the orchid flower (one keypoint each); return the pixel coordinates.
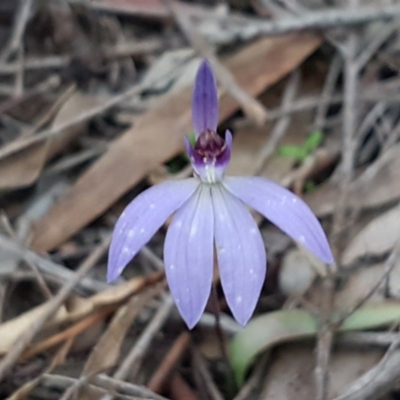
(210, 213)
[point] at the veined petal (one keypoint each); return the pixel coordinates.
(142, 218)
(205, 100)
(285, 210)
(188, 255)
(241, 253)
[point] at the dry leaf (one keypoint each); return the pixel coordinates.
(158, 136)
(359, 285)
(246, 149)
(22, 165)
(291, 375)
(376, 186)
(78, 308)
(12, 329)
(24, 391)
(375, 239)
(107, 350)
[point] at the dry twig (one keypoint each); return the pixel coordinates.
(21, 20)
(252, 107)
(53, 305)
(282, 125)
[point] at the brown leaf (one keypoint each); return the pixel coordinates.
(107, 350)
(376, 186)
(375, 239)
(158, 136)
(24, 391)
(77, 308)
(359, 285)
(246, 149)
(291, 375)
(23, 168)
(23, 160)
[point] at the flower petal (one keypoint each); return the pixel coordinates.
(241, 254)
(142, 218)
(285, 210)
(205, 100)
(188, 255)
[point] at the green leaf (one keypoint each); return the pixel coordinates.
(283, 326)
(295, 152)
(192, 138)
(371, 317)
(300, 153)
(313, 141)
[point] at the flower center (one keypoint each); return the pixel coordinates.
(210, 156)
(209, 145)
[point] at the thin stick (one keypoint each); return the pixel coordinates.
(104, 382)
(221, 334)
(48, 267)
(145, 339)
(167, 366)
(327, 91)
(211, 388)
(21, 20)
(252, 107)
(132, 360)
(19, 145)
(390, 265)
(53, 305)
(327, 18)
(282, 125)
(326, 330)
(39, 279)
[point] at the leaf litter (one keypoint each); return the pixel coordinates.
(95, 102)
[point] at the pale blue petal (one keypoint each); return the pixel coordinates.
(188, 255)
(241, 254)
(142, 218)
(285, 210)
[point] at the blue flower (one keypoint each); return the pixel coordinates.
(210, 213)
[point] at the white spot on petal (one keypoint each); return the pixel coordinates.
(193, 230)
(142, 230)
(294, 200)
(131, 233)
(126, 250)
(302, 239)
(179, 223)
(253, 231)
(172, 267)
(251, 271)
(152, 206)
(222, 250)
(239, 299)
